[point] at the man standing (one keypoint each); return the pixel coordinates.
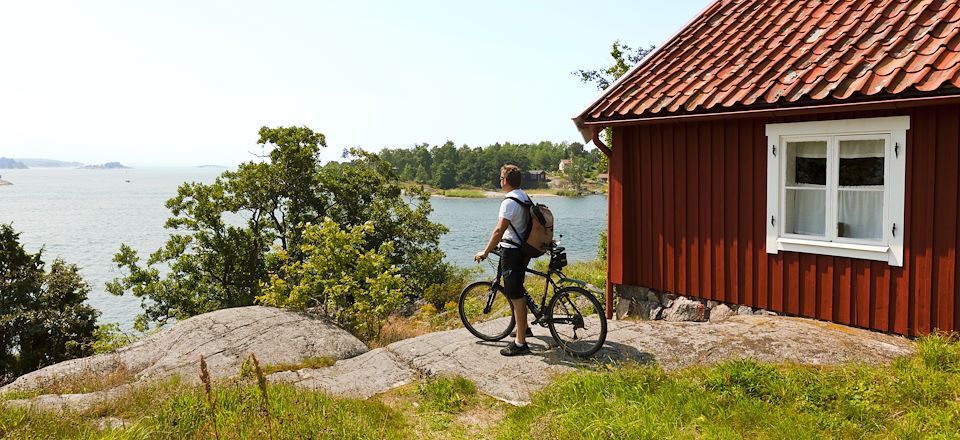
(513, 221)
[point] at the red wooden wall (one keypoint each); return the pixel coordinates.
(687, 207)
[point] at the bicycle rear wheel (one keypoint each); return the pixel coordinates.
(485, 312)
(576, 321)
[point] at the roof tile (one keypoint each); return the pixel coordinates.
(768, 52)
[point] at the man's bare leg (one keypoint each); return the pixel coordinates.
(520, 315)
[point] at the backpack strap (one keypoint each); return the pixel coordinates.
(523, 237)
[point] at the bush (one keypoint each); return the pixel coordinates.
(43, 315)
(356, 287)
(454, 280)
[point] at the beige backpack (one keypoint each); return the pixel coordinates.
(539, 233)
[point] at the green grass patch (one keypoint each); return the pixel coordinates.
(916, 397)
(464, 193)
(446, 394)
(310, 362)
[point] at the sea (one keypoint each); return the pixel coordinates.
(82, 216)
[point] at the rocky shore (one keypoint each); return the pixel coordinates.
(4, 183)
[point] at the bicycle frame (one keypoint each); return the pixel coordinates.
(548, 276)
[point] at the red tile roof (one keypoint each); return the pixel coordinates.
(753, 54)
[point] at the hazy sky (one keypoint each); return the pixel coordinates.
(191, 82)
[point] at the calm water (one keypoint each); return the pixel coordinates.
(82, 216)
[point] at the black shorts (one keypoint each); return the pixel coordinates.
(513, 267)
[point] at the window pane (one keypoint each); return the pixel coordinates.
(861, 162)
(860, 215)
(806, 163)
(805, 210)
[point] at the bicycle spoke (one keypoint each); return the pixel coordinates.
(577, 322)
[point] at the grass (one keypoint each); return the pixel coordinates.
(310, 362)
(83, 382)
(464, 193)
(916, 397)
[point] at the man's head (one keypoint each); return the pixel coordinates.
(510, 177)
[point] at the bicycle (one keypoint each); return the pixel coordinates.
(571, 308)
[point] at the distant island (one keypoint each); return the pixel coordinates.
(11, 164)
(106, 166)
(49, 163)
(212, 166)
(4, 183)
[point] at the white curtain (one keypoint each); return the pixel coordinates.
(861, 214)
(806, 211)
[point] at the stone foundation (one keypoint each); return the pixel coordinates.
(647, 304)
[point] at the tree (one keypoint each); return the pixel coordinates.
(624, 58)
(43, 317)
(228, 234)
(576, 173)
(356, 286)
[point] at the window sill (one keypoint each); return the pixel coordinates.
(849, 250)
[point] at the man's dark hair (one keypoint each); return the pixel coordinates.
(512, 174)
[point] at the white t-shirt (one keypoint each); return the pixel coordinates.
(517, 214)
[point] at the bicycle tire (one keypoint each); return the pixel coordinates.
(485, 325)
(572, 309)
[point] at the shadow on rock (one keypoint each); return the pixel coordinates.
(611, 353)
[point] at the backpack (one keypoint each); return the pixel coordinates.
(539, 232)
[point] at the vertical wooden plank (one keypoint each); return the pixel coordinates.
(632, 190)
(843, 291)
(717, 208)
(825, 265)
(669, 220)
(694, 193)
(922, 198)
(745, 216)
(791, 273)
(615, 236)
(901, 284)
(880, 288)
(646, 178)
(778, 293)
(656, 209)
(764, 290)
(706, 212)
(945, 221)
(861, 270)
(808, 288)
(681, 214)
(731, 156)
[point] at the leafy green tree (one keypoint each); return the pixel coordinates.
(225, 233)
(624, 58)
(356, 286)
(43, 317)
(445, 175)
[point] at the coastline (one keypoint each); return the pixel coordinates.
(5, 183)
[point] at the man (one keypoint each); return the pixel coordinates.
(513, 221)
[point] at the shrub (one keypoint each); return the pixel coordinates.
(358, 288)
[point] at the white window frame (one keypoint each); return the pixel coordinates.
(894, 131)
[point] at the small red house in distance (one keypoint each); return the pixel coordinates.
(795, 156)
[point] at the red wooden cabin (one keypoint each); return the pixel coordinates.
(796, 156)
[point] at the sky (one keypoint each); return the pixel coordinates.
(191, 82)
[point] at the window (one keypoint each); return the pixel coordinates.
(837, 187)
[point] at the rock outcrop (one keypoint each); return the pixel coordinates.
(225, 338)
(276, 335)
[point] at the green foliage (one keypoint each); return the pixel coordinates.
(109, 337)
(448, 167)
(602, 246)
(229, 235)
(356, 287)
(454, 280)
(915, 398)
(43, 317)
(446, 394)
(624, 58)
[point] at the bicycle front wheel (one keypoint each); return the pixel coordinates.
(576, 321)
(486, 312)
